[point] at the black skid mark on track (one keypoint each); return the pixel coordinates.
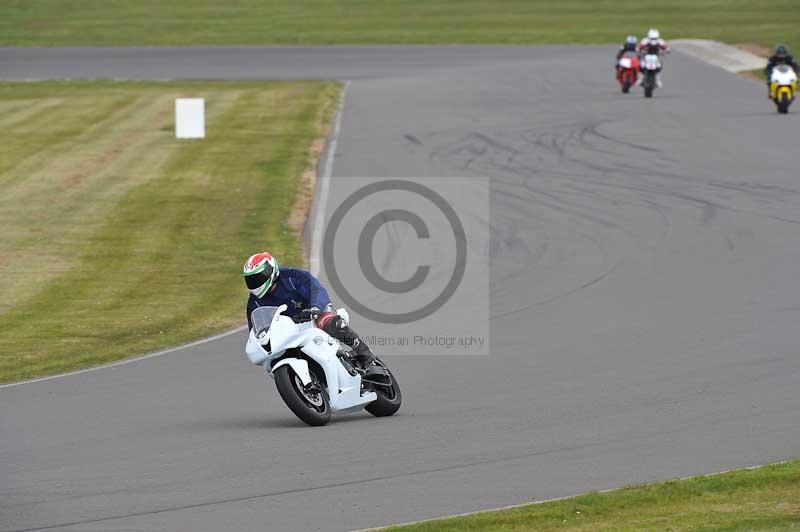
(557, 297)
(412, 139)
(568, 152)
(478, 147)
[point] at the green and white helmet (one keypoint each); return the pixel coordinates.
(260, 273)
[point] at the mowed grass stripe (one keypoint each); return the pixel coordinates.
(48, 132)
(148, 249)
(16, 114)
(79, 181)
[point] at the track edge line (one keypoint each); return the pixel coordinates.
(324, 186)
(125, 361)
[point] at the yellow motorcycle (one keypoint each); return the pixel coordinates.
(783, 87)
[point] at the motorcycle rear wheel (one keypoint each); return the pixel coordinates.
(389, 397)
(311, 406)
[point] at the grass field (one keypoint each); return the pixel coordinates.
(117, 238)
(765, 499)
(195, 22)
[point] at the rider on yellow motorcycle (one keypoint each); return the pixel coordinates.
(780, 57)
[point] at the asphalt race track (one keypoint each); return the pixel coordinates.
(645, 307)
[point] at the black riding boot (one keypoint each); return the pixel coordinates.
(339, 329)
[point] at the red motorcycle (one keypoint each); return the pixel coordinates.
(627, 71)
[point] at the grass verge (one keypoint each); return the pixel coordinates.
(761, 499)
(195, 22)
(119, 239)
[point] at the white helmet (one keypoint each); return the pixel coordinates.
(631, 39)
(653, 34)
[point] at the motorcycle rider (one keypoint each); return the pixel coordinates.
(628, 47)
(781, 56)
(304, 296)
(652, 44)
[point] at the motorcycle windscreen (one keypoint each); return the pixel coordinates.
(262, 319)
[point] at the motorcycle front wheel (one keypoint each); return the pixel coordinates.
(783, 104)
(309, 403)
(389, 397)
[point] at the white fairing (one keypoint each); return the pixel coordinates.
(651, 62)
(299, 366)
(783, 76)
(344, 390)
(625, 62)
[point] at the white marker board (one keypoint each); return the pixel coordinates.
(190, 118)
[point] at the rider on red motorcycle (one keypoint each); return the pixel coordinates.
(624, 74)
(628, 46)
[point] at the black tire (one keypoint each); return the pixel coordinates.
(783, 105)
(389, 397)
(626, 87)
(290, 388)
(649, 84)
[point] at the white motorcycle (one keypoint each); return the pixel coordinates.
(314, 373)
(651, 64)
